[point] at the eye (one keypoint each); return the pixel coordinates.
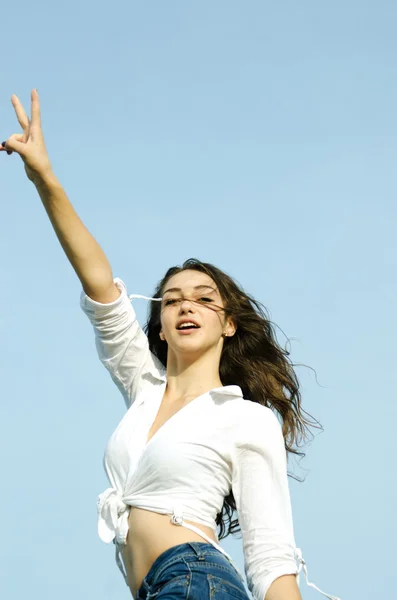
(170, 301)
(204, 299)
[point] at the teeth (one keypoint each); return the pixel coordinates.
(187, 325)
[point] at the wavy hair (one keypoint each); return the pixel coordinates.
(252, 359)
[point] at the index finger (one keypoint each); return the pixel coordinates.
(20, 112)
(36, 117)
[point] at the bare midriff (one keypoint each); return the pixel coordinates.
(151, 534)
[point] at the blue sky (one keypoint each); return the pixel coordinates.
(257, 136)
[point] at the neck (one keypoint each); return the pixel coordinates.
(191, 378)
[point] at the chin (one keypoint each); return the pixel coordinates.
(189, 346)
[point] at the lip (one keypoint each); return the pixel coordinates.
(186, 331)
(182, 321)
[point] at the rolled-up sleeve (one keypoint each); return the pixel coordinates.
(121, 344)
(260, 488)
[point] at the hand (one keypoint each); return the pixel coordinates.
(30, 144)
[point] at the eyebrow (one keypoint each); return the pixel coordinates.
(197, 287)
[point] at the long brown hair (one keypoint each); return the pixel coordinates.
(252, 359)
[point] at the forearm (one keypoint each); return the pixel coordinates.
(284, 588)
(83, 251)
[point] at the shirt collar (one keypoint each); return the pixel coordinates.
(157, 375)
(228, 390)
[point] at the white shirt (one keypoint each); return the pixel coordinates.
(217, 443)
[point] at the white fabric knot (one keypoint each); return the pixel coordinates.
(112, 517)
(302, 565)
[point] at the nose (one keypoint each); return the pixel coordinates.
(186, 305)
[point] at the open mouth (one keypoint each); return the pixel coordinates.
(188, 327)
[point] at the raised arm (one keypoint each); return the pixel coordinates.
(83, 251)
(121, 344)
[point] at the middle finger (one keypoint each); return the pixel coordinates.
(20, 112)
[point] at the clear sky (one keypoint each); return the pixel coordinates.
(259, 136)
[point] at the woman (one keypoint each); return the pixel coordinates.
(200, 437)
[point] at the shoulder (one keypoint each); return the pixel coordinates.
(256, 423)
(252, 412)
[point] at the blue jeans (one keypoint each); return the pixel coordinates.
(192, 571)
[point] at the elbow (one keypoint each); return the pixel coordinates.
(274, 582)
(284, 587)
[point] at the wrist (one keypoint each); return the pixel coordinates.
(45, 179)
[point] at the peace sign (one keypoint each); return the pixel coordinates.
(30, 144)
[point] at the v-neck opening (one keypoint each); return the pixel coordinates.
(232, 390)
(168, 420)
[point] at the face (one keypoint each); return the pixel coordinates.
(192, 319)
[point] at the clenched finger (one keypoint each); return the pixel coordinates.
(15, 143)
(4, 149)
(20, 112)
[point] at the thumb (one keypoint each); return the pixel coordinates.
(15, 144)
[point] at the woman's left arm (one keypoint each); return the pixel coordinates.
(261, 492)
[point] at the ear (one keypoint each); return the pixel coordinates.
(162, 338)
(229, 329)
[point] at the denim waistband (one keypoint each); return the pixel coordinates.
(183, 552)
